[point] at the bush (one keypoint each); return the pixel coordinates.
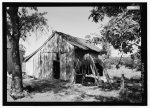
(108, 66)
(138, 65)
(111, 61)
(128, 62)
(129, 65)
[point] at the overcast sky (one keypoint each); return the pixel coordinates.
(70, 20)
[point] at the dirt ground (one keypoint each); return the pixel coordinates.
(62, 91)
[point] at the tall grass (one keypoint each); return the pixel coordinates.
(126, 61)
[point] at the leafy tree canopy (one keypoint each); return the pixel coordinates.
(30, 20)
(123, 30)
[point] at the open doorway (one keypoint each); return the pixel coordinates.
(56, 69)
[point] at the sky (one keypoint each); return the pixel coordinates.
(70, 20)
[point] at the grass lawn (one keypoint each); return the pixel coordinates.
(62, 91)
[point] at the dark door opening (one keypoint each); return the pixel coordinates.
(56, 69)
(99, 69)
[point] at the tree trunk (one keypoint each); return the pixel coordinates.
(16, 85)
(122, 88)
(117, 66)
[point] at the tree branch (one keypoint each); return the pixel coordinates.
(133, 44)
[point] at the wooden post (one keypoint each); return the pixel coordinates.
(74, 76)
(83, 73)
(94, 74)
(75, 70)
(122, 88)
(107, 76)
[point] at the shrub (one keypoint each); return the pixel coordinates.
(129, 65)
(126, 61)
(138, 65)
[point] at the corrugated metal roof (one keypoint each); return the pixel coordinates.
(79, 42)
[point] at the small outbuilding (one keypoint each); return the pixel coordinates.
(63, 57)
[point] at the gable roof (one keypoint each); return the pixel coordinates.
(78, 42)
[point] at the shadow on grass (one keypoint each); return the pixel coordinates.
(133, 90)
(41, 86)
(133, 93)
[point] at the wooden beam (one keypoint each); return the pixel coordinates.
(93, 72)
(96, 73)
(122, 88)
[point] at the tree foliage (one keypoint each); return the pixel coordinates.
(98, 12)
(98, 39)
(123, 30)
(30, 20)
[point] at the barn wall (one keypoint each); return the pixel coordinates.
(63, 66)
(43, 60)
(29, 67)
(67, 58)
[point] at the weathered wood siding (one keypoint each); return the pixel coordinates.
(63, 66)
(67, 58)
(29, 67)
(43, 60)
